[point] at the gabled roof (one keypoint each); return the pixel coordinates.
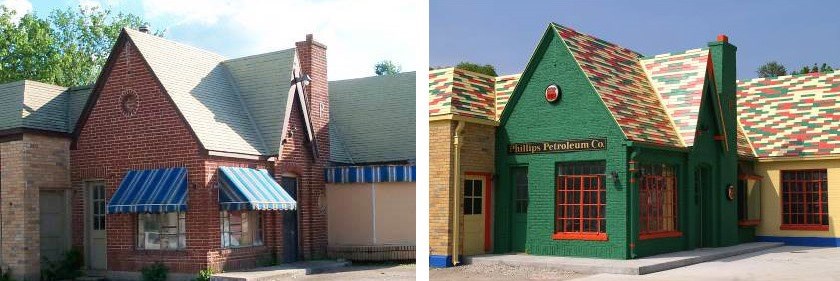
(794, 115)
(678, 78)
(41, 106)
(619, 79)
(373, 119)
(203, 90)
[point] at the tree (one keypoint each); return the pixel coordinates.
(805, 70)
(826, 68)
(483, 69)
(67, 48)
(771, 70)
(386, 67)
(815, 69)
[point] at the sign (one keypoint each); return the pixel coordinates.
(552, 93)
(557, 146)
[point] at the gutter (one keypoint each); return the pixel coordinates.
(631, 187)
(456, 190)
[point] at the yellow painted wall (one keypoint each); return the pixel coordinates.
(771, 211)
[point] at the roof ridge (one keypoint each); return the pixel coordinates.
(375, 76)
(598, 39)
(258, 55)
(815, 74)
(133, 32)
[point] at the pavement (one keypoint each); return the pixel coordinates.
(783, 263)
(628, 267)
(323, 270)
(280, 272)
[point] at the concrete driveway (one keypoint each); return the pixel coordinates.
(783, 263)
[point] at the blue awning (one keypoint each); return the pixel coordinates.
(371, 174)
(151, 191)
(251, 189)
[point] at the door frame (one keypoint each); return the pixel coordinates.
(487, 180)
(87, 184)
(297, 211)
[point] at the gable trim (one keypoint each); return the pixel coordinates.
(718, 109)
(296, 92)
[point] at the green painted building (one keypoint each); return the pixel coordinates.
(603, 152)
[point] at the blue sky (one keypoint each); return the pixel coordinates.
(357, 33)
(505, 33)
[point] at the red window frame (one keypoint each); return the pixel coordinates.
(804, 199)
(658, 202)
(580, 202)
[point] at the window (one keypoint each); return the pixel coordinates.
(805, 200)
(520, 201)
(164, 231)
(97, 206)
(472, 197)
(657, 202)
(581, 201)
(749, 200)
(241, 229)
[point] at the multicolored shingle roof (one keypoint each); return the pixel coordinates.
(469, 94)
(678, 79)
(618, 77)
(796, 115)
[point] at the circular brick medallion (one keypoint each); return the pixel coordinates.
(129, 102)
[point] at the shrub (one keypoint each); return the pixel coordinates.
(204, 275)
(155, 272)
(6, 275)
(69, 267)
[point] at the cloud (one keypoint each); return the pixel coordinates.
(90, 4)
(21, 7)
(357, 33)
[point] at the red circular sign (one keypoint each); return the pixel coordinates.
(552, 93)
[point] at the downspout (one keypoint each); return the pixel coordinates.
(456, 190)
(631, 188)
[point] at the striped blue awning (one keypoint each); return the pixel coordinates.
(151, 191)
(371, 174)
(251, 189)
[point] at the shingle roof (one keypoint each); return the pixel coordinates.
(216, 95)
(263, 83)
(469, 94)
(372, 119)
(795, 115)
(678, 79)
(618, 77)
(42, 106)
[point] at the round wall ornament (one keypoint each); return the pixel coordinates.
(552, 93)
(129, 102)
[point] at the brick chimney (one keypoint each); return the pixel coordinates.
(313, 62)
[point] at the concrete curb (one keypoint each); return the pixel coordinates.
(626, 267)
(280, 272)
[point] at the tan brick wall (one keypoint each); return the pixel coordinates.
(31, 164)
(440, 181)
(477, 155)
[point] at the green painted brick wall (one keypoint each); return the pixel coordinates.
(579, 115)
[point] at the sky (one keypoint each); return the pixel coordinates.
(357, 33)
(505, 33)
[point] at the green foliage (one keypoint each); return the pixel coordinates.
(771, 69)
(805, 70)
(155, 272)
(6, 275)
(387, 67)
(67, 47)
(483, 69)
(815, 69)
(70, 267)
(205, 274)
(826, 68)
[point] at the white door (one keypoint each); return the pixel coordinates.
(96, 225)
(53, 221)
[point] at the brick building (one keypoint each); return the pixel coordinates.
(176, 155)
(598, 151)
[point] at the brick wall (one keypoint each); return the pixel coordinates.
(440, 182)
(297, 158)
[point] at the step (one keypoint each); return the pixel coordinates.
(280, 272)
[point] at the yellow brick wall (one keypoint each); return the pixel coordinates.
(477, 155)
(771, 197)
(28, 165)
(440, 181)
